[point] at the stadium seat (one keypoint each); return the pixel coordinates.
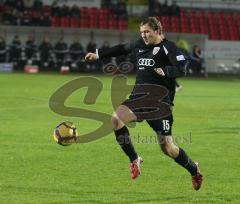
(74, 22)
(83, 11)
(93, 11)
(194, 22)
(218, 25)
(184, 23)
(113, 24)
(165, 22)
(203, 26)
(93, 23)
(93, 17)
(175, 24)
(83, 23)
(122, 24)
(55, 21)
(65, 21)
(103, 18)
(221, 25)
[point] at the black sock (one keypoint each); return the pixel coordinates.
(183, 160)
(123, 139)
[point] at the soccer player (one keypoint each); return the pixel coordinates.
(158, 63)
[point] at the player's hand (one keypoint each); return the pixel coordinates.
(90, 56)
(159, 71)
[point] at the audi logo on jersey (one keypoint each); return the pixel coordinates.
(146, 62)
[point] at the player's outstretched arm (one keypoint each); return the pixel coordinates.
(117, 50)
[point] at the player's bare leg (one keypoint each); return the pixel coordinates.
(172, 150)
(120, 118)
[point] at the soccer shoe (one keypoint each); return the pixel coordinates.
(135, 167)
(197, 179)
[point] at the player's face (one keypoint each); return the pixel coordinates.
(148, 34)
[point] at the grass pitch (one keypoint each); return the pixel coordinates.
(34, 169)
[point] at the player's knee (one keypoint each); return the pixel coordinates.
(163, 148)
(169, 149)
(115, 120)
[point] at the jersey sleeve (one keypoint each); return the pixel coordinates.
(114, 51)
(179, 61)
(118, 50)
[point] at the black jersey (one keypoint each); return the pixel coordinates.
(164, 55)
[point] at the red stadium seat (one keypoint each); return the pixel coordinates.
(218, 25)
(103, 17)
(55, 21)
(93, 17)
(165, 22)
(175, 24)
(83, 11)
(93, 23)
(104, 11)
(93, 11)
(74, 22)
(122, 24)
(83, 23)
(65, 21)
(113, 24)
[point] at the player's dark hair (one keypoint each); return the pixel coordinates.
(154, 23)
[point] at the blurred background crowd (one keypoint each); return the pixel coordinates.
(51, 53)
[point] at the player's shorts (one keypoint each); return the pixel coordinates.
(161, 122)
(162, 126)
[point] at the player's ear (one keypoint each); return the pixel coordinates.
(156, 32)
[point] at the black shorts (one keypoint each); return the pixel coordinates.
(159, 117)
(162, 126)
